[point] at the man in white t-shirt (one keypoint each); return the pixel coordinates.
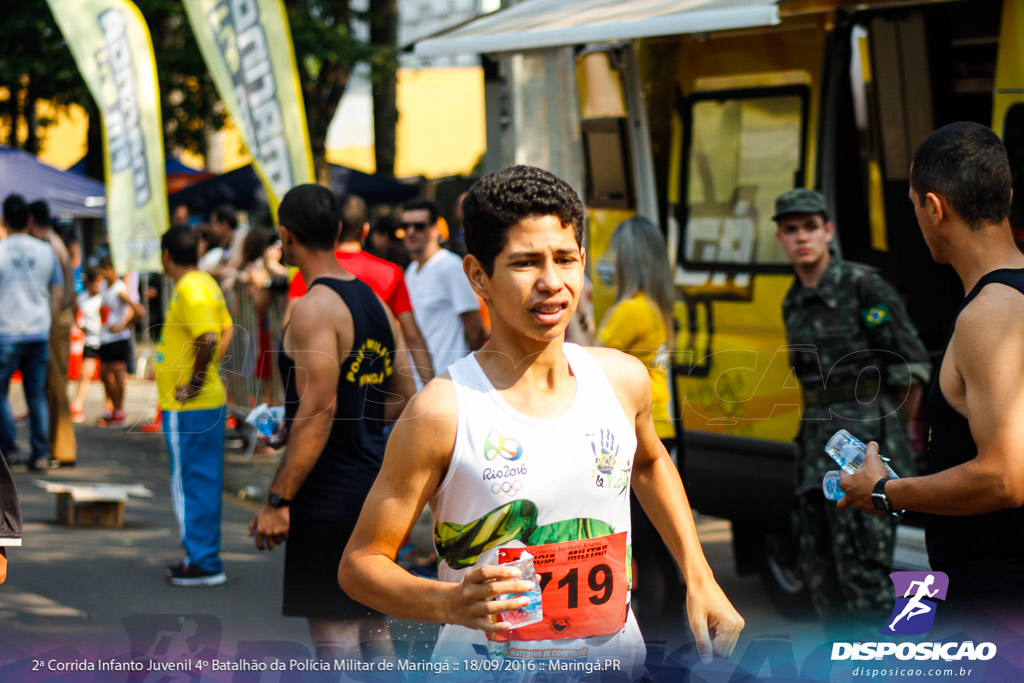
(446, 309)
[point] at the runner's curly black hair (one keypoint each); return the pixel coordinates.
(502, 199)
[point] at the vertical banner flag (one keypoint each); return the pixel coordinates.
(111, 45)
(247, 46)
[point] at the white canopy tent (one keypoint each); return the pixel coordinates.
(536, 24)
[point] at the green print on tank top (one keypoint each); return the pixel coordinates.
(460, 545)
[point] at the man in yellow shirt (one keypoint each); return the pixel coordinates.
(196, 330)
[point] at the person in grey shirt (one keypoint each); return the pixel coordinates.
(31, 287)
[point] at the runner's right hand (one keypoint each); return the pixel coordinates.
(472, 604)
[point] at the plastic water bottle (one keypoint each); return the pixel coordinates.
(848, 451)
(266, 420)
(532, 612)
(830, 486)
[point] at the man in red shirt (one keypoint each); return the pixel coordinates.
(384, 278)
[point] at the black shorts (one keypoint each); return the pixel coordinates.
(117, 351)
(90, 352)
(311, 557)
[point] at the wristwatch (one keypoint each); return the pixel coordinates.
(879, 498)
(275, 500)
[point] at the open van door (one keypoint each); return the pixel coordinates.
(1008, 105)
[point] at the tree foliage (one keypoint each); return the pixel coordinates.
(189, 102)
(326, 51)
(35, 63)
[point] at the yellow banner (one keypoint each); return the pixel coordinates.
(111, 45)
(247, 46)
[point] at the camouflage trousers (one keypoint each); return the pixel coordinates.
(845, 558)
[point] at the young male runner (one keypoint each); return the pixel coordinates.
(530, 442)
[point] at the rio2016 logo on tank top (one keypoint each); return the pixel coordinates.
(504, 478)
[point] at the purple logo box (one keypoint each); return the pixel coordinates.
(917, 596)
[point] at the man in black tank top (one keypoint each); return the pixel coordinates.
(960, 186)
(346, 373)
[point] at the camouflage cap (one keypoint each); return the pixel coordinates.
(800, 200)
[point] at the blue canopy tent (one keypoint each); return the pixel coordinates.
(67, 193)
(179, 176)
(171, 167)
(242, 189)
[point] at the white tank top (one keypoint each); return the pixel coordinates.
(518, 480)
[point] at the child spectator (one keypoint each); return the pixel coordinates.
(89, 303)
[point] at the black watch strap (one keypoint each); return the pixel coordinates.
(274, 500)
(879, 498)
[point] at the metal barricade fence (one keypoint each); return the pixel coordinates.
(249, 365)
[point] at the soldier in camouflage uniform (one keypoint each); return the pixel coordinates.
(861, 365)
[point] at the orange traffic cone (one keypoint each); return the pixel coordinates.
(156, 425)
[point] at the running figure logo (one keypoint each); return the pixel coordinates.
(915, 611)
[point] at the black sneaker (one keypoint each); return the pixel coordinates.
(183, 575)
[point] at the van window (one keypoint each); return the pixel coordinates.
(1013, 138)
(745, 149)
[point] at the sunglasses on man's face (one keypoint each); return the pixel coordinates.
(416, 226)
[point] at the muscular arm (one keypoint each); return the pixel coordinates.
(988, 354)
(417, 346)
(417, 456)
(473, 328)
(660, 491)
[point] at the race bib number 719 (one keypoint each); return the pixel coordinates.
(583, 584)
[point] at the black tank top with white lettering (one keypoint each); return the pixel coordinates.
(349, 463)
(983, 554)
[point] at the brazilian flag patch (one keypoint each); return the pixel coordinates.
(876, 315)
